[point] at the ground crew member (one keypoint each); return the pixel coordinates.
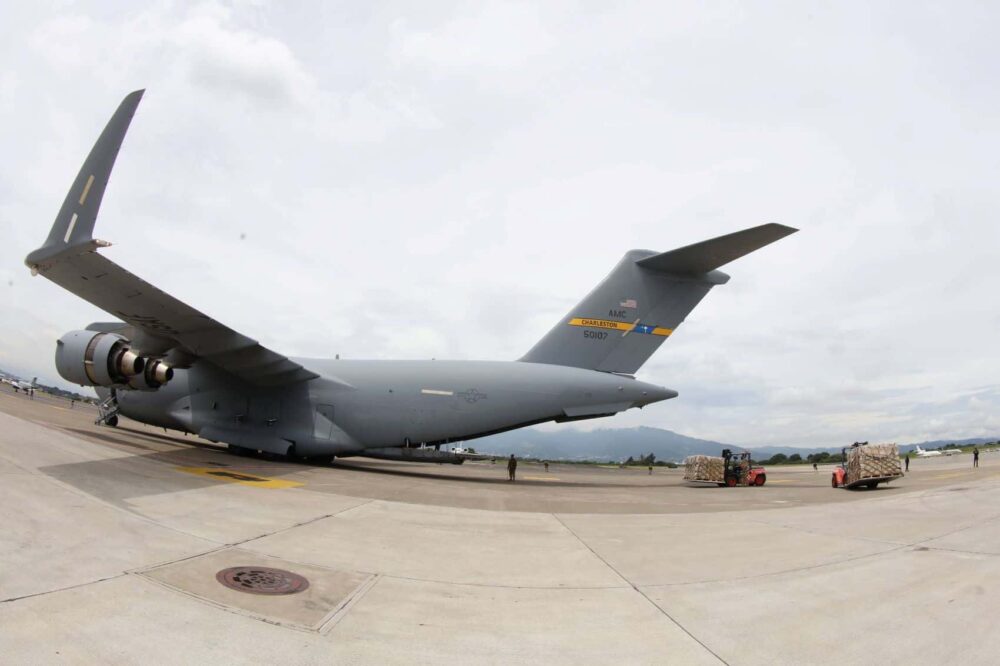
(546, 465)
(650, 469)
(512, 467)
(975, 457)
(907, 461)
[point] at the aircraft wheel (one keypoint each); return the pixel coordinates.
(321, 460)
(113, 421)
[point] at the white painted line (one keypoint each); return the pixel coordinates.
(69, 229)
(86, 189)
(436, 392)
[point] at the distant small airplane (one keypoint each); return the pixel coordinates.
(22, 385)
(933, 454)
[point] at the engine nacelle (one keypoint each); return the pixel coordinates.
(90, 358)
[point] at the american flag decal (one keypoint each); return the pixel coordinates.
(629, 303)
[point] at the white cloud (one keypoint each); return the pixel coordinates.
(447, 181)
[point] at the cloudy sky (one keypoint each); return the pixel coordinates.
(446, 180)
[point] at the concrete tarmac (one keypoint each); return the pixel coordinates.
(112, 537)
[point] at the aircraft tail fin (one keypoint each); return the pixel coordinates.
(74, 225)
(626, 318)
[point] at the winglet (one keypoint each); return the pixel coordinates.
(708, 255)
(74, 225)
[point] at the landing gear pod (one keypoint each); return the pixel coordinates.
(97, 359)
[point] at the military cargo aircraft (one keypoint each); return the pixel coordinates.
(164, 363)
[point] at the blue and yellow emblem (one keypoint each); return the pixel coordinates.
(624, 327)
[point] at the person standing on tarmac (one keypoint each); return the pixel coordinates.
(907, 461)
(512, 467)
(975, 457)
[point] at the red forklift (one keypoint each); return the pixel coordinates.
(739, 470)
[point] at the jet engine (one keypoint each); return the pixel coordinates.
(153, 376)
(91, 358)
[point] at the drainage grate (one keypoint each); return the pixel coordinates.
(262, 580)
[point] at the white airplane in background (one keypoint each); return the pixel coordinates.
(23, 385)
(933, 454)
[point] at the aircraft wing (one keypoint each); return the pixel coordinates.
(69, 258)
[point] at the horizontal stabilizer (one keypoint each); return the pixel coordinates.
(708, 255)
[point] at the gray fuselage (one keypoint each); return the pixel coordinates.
(358, 405)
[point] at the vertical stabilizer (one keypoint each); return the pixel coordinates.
(626, 318)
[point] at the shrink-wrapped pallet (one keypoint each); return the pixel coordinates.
(704, 468)
(871, 461)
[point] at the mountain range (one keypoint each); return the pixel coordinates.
(619, 443)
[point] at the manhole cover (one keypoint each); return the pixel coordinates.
(262, 580)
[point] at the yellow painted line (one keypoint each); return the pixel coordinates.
(234, 476)
(623, 326)
(86, 189)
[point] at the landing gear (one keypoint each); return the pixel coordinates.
(107, 411)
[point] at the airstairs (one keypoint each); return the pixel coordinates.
(108, 410)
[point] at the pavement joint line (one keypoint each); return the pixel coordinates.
(783, 572)
(300, 524)
(655, 605)
(897, 548)
(500, 586)
(332, 619)
(852, 537)
(958, 529)
(63, 589)
(93, 498)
